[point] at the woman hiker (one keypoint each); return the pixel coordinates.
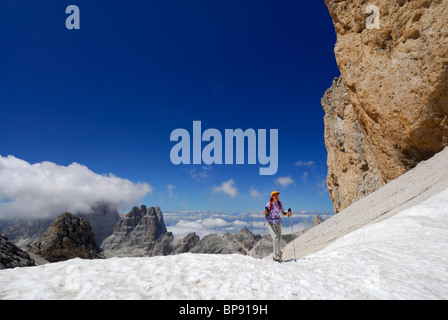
(272, 213)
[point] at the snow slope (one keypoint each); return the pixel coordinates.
(427, 179)
(402, 257)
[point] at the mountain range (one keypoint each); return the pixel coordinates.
(141, 232)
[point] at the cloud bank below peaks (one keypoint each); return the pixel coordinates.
(46, 189)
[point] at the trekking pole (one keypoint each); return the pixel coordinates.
(292, 235)
(264, 226)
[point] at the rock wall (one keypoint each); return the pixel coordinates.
(389, 109)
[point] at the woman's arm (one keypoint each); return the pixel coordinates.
(265, 212)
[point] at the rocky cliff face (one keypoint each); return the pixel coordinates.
(352, 168)
(389, 109)
(67, 237)
(136, 233)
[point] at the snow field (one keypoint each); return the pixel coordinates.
(402, 257)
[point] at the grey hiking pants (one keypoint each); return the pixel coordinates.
(276, 233)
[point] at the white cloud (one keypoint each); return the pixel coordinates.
(254, 193)
(284, 181)
(305, 177)
(322, 187)
(301, 163)
(201, 175)
(171, 193)
(221, 224)
(203, 227)
(212, 223)
(227, 187)
(44, 190)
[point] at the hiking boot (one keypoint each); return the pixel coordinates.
(278, 260)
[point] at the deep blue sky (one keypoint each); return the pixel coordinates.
(108, 95)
